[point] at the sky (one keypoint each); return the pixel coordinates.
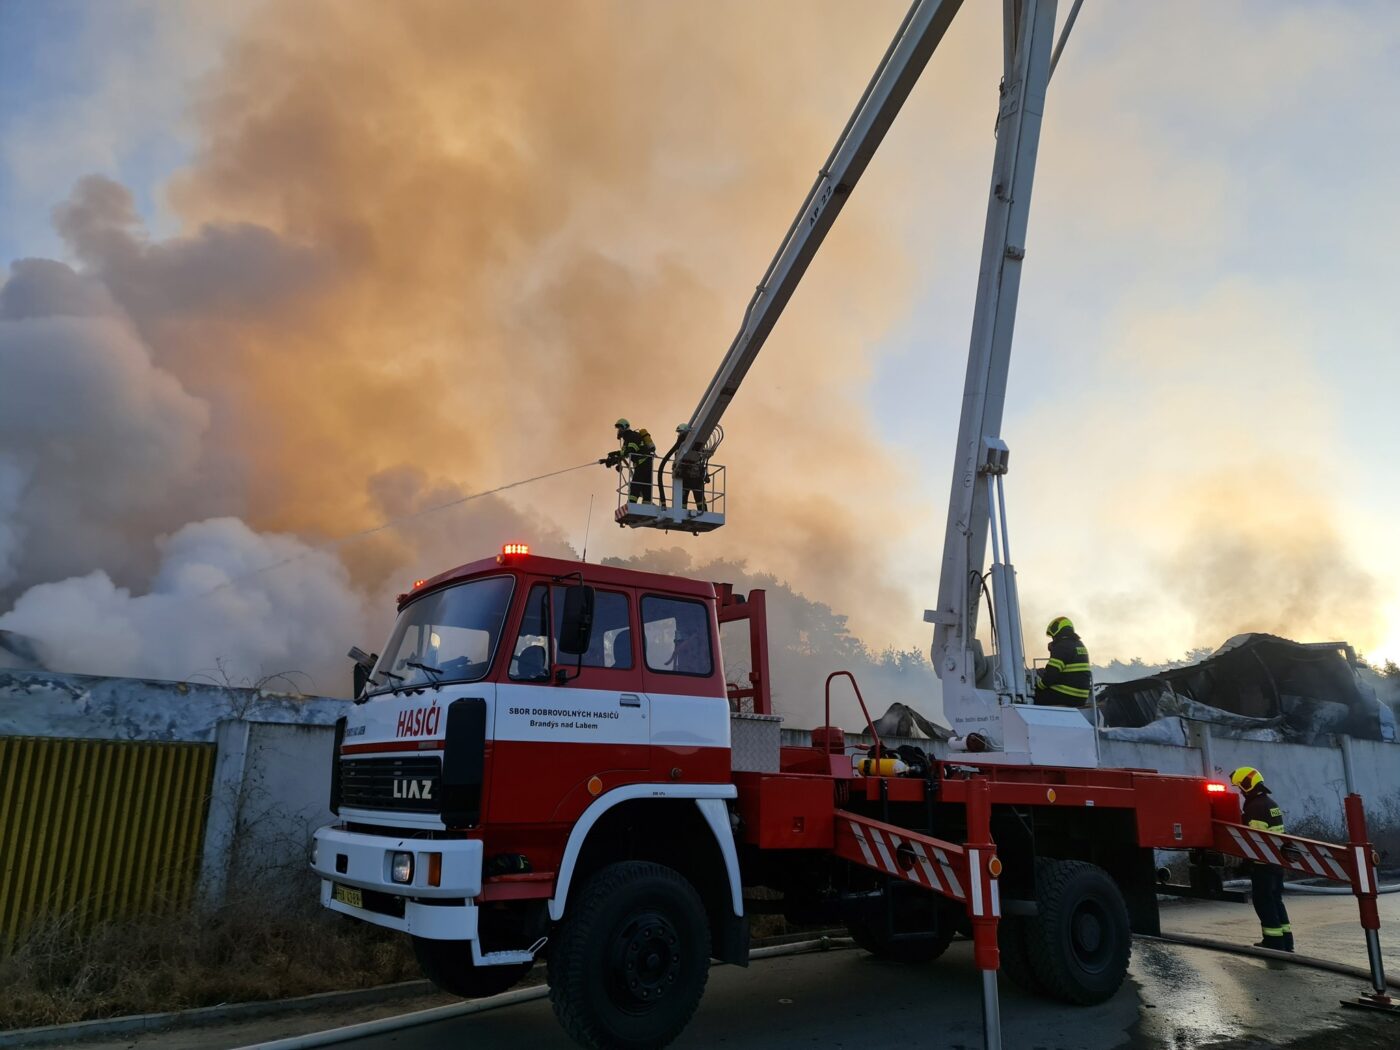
(416, 251)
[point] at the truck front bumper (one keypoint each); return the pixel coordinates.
(363, 862)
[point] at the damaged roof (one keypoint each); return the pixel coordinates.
(1257, 681)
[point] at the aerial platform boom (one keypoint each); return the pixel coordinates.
(976, 691)
(979, 692)
(919, 34)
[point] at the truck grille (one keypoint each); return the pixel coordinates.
(410, 783)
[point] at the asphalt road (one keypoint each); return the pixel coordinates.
(1177, 998)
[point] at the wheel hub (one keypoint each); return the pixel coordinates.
(1088, 934)
(646, 961)
(1087, 931)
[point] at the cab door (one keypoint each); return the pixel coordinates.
(595, 723)
(685, 681)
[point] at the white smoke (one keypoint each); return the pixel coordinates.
(13, 480)
(212, 609)
(98, 442)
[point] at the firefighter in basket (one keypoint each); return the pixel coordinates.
(694, 476)
(634, 452)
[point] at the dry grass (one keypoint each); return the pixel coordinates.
(266, 946)
(60, 973)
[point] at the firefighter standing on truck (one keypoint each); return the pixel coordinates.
(1265, 880)
(635, 450)
(1065, 680)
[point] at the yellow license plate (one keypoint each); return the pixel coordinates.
(348, 895)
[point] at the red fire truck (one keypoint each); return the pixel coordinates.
(546, 760)
(548, 763)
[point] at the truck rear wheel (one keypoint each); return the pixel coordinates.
(1078, 945)
(1015, 954)
(448, 964)
(630, 963)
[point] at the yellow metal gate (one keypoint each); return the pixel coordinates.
(96, 829)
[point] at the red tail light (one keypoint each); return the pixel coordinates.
(1216, 788)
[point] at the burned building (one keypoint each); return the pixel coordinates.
(1259, 684)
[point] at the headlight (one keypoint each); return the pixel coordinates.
(401, 867)
(315, 845)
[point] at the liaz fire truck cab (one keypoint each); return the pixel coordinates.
(530, 724)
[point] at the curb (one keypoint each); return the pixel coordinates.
(203, 1016)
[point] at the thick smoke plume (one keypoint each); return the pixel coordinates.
(1283, 572)
(428, 248)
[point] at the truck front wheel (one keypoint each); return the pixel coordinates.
(630, 963)
(1078, 944)
(448, 964)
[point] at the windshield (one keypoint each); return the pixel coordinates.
(447, 636)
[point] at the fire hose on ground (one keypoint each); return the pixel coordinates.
(417, 1018)
(1309, 888)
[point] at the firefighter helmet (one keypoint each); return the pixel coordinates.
(1247, 778)
(1058, 624)
(622, 423)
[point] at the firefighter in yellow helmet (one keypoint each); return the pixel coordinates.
(1266, 880)
(1065, 680)
(634, 454)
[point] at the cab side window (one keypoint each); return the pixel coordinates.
(611, 646)
(676, 636)
(530, 661)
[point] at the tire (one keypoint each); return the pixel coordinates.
(630, 963)
(448, 964)
(1078, 945)
(868, 932)
(1015, 954)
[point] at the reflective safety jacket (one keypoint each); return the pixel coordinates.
(1262, 812)
(1067, 673)
(637, 442)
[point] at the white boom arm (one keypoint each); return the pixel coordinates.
(919, 34)
(978, 692)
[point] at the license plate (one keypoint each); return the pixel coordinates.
(348, 895)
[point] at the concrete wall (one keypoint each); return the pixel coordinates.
(271, 791)
(46, 703)
(272, 774)
(1308, 782)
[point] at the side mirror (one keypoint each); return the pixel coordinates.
(364, 664)
(576, 623)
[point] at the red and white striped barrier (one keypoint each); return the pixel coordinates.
(960, 874)
(1348, 864)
